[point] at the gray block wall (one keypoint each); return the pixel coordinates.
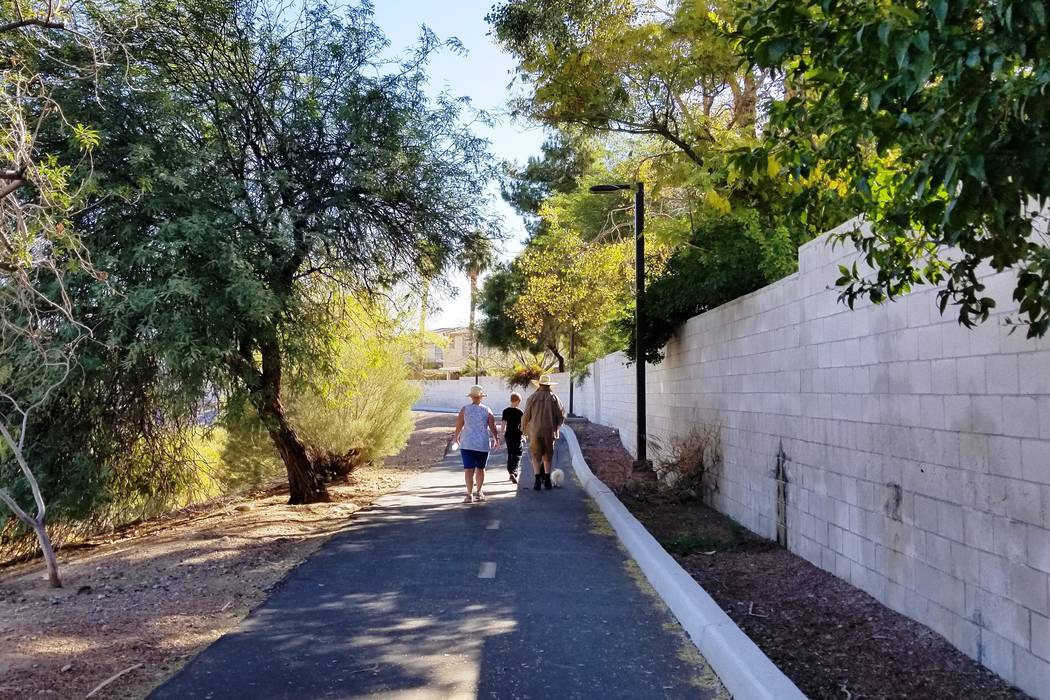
(918, 451)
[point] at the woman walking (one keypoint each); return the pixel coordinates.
(473, 426)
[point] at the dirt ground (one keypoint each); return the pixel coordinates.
(831, 639)
(149, 599)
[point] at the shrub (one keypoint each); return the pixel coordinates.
(681, 467)
(356, 411)
(522, 376)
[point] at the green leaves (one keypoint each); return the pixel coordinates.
(938, 122)
(86, 138)
(940, 11)
(248, 166)
(727, 256)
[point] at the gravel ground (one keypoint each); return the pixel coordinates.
(154, 596)
(831, 639)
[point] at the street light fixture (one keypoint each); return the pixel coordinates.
(639, 297)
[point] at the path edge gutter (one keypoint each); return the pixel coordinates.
(746, 672)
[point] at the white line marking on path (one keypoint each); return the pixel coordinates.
(488, 569)
(494, 525)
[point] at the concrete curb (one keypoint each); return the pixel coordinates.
(434, 409)
(746, 672)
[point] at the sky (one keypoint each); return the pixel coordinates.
(482, 74)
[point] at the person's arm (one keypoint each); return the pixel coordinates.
(561, 417)
(459, 426)
(492, 427)
(525, 417)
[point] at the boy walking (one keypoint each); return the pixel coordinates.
(512, 435)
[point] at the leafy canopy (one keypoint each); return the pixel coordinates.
(252, 164)
(629, 67)
(935, 115)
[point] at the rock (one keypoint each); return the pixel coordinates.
(244, 507)
(67, 668)
(83, 589)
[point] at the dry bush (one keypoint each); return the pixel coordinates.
(683, 465)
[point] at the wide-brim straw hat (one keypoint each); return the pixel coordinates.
(476, 391)
(544, 380)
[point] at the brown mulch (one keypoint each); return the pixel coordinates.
(151, 597)
(607, 458)
(831, 639)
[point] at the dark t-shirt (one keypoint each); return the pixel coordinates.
(512, 417)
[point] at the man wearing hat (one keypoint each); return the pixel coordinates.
(544, 414)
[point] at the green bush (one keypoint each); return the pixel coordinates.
(728, 256)
(354, 412)
(522, 376)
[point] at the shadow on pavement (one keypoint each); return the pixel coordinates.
(425, 597)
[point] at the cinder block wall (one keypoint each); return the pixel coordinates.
(452, 394)
(917, 451)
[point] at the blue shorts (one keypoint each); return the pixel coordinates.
(474, 459)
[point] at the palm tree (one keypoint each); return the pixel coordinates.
(477, 256)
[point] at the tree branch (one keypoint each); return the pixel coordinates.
(15, 508)
(20, 458)
(19, 24)
(11, 188)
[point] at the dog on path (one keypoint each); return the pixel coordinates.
(557, 478)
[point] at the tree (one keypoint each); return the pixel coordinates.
(356, 411)
(631, 67)
(38, 246)
(572, 289)
(563, 159)
(935, 117)
(497, 329)
(35, 359)
(501, 329)
(476, 257)
(36, 186)
(303, 162)
(729, 255)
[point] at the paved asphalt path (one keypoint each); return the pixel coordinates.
(527, 595)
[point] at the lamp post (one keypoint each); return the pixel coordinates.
(572, 366)
(639, 297)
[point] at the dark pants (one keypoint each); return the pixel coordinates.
(513, 453)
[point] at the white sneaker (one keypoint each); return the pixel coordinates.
(479, 496)
(468, 499)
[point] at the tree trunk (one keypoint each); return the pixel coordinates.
(305, 482)
(36, 523)
(423, 305)
(746, 115)
(557, 356)
(473, 296)
(473, 331)
(49, 554)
